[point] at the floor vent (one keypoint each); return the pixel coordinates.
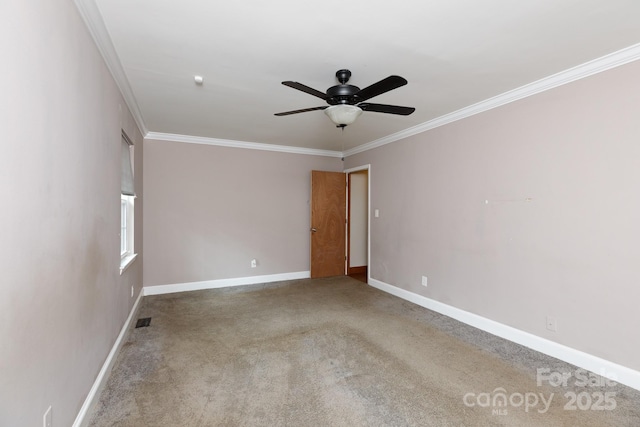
(143, 323)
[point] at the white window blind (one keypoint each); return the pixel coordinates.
(126, 182)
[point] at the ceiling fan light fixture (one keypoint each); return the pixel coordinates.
(343, 114)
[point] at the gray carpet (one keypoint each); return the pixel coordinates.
(333, 352)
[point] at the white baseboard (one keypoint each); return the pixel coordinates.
(224, 283)
(618, 373)
(106, 367)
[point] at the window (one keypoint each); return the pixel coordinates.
(127, 199)
(124, 247)
(126, 226)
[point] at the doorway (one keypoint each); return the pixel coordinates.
(358, 223)
(340, 230)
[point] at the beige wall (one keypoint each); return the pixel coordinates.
(210, 210)
(63, 301)
(571, 252)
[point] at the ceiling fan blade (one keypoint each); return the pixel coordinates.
(306, 89)
(286, 113)
(384, 85)
(390, 109)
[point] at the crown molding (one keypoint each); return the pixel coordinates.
(92, 17)
(158, 136)
(607, 62)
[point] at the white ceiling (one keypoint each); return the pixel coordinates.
(454, 53)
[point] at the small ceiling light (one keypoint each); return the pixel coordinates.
(199, 80)
(343, 114)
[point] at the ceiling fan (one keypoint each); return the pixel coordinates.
(346, 101)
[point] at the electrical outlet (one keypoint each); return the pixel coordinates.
(552, 324)
(254, 263)
(46, 418)
(424, 281)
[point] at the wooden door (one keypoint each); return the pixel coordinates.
(328, 217)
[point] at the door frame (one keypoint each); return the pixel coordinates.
(366, 167)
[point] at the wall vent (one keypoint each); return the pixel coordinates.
(144, 322)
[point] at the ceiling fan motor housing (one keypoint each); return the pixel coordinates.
(342, 94)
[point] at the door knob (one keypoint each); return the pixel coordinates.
(314, 230)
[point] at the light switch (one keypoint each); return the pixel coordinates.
(376, 213)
